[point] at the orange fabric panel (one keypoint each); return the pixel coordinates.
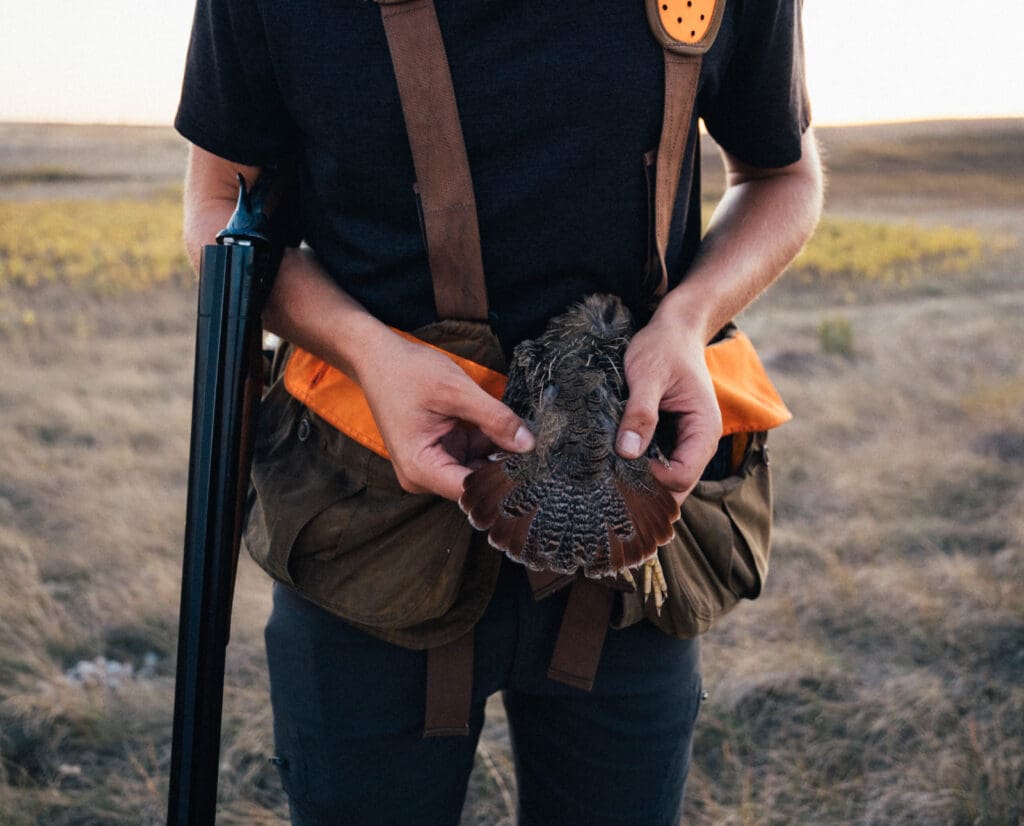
(338, 400)
(748, 400)
(740, 443)
(746, 396)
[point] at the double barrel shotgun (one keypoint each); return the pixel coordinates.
(236, 274)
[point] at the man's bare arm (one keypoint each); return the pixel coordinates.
(417, 396)
(762, 221)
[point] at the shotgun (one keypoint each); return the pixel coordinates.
(235, 278)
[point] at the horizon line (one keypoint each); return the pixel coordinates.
(144, 124)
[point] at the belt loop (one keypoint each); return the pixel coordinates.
(449, 688)
(581, 635)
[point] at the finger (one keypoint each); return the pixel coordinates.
(480, 445)
(495, 420)
(456, 444)
(698, 440)
(445, 479)
(639, 420)
(450, 480)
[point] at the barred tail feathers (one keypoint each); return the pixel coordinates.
(559, 524)
(483, 492)
(651, 515)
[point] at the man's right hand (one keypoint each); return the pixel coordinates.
(437, 423)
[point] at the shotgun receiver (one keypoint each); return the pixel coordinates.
(235, 278)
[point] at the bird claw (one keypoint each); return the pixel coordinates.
(655, 452)
(654, 586)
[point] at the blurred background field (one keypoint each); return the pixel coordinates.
(879, 680)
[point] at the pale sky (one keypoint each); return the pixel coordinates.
(112, 61)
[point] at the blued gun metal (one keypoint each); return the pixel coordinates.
(235, 277)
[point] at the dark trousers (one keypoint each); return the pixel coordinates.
(348, 719)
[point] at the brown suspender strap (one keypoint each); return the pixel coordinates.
(682, 74)
(685, 30)
(581, 635)
(449, 687)
(445, 189)
(439, 156)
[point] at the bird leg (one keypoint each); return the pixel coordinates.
(654, 585)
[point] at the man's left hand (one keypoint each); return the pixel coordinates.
(666, 371)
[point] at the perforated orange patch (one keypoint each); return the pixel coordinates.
(686, 20)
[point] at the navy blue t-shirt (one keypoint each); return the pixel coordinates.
(558, 110)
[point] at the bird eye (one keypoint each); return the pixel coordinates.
(550, 391)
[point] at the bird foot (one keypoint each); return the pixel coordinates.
(654, 586)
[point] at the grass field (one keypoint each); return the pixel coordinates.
(879, 680)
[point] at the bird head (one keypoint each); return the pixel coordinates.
(602, 316)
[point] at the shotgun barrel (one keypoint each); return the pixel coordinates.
(235, 277)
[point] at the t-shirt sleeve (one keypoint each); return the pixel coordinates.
(760, 109)
(231, 102)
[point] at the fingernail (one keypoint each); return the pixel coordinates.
(629, 443)
(524, 438)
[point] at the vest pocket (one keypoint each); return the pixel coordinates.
(297, 495)
(328, 517)
(380, 556)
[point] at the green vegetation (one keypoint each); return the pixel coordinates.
(99, 246)
(835, 334)
(113, 246)
(844, 250)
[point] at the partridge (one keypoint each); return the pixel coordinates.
(572, 503)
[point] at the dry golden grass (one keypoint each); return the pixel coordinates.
(879, 680)
(99, 246)
(873, 251)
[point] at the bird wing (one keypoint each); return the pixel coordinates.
(520, 391)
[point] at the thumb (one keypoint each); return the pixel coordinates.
(497, 421)
(639, 420)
